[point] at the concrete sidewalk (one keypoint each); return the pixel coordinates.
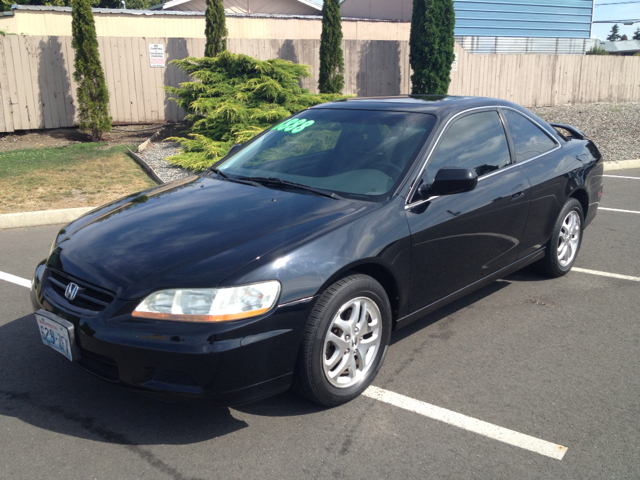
(53, 217)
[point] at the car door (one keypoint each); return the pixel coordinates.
(551, 172)
(459, 239)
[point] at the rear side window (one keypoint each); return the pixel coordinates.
(476, 141)
(528, 139)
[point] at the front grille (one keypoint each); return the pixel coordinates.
(88, 299)
(173, 376)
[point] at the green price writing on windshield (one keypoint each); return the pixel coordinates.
(294, 125)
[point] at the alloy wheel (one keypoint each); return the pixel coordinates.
(569, 238)
(352, 342)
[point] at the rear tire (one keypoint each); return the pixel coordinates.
(345, 341)
(562, 250)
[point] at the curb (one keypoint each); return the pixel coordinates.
(147, 169)
(148, 141)
(42, 217)
(53, 217)
(624, 164)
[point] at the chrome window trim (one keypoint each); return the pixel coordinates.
(507, 133)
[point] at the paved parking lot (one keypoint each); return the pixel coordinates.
(546, 375)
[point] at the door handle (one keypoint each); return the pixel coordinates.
(517, 195)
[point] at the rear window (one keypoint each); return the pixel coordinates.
(528, 139)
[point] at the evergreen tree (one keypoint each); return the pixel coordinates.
(232, 98)
(431, 46)
(216, 28)
(93, 97)
(331, 59)
(614, 35)
(636, 34)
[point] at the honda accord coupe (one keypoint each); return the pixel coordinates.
(290, 261)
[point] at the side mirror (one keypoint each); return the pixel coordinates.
(234, 148)
(449, 181)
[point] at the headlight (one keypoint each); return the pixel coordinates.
(210, 304)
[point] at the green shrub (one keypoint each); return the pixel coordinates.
(232, 99)
(596, 50)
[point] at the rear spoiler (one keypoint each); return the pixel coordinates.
(573, 131)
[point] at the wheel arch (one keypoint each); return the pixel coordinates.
(583, 197)
(379, 272)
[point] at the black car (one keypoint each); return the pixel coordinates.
(291, 260)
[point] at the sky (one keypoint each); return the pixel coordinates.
(615, 12)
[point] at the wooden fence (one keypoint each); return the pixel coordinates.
(37, 89)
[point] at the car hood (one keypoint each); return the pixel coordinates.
(190, 233)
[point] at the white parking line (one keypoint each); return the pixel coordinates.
(617, 210)
(620, 176)
(495, 432)
(606, 274)
(23, 282)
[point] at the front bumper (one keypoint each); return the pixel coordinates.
(229, 363)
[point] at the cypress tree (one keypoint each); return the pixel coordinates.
(93, 97)
(331, 59)
(216, 28)
(232, 98)
(431, 45)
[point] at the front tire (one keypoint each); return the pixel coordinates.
(563, 247)
(344, 342)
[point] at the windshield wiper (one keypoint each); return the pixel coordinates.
(288, 183)
(218, 172)
(224, 176)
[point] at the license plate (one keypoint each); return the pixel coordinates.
(56, 332)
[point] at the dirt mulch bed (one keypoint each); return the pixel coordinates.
(60, 137)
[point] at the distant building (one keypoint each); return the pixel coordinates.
(621, 47)
(269, 7)
(482, 26)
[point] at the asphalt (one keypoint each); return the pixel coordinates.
(555, 359)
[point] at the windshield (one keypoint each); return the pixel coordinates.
(354, 153)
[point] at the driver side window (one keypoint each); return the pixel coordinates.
(475, 141)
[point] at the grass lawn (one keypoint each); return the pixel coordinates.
(80, 175)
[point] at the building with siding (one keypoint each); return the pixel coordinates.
(482, 26)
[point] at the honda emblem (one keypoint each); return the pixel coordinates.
(71, 291)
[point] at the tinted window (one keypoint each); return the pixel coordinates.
(528, 139)
(475, 141)
(358, 153)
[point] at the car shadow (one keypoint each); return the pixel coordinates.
(41, 388)
(442, 313)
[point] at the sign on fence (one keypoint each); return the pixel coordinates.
(156, 55)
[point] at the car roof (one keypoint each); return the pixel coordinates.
(440, 105)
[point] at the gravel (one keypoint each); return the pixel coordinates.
(614, 128)
(154, 155)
